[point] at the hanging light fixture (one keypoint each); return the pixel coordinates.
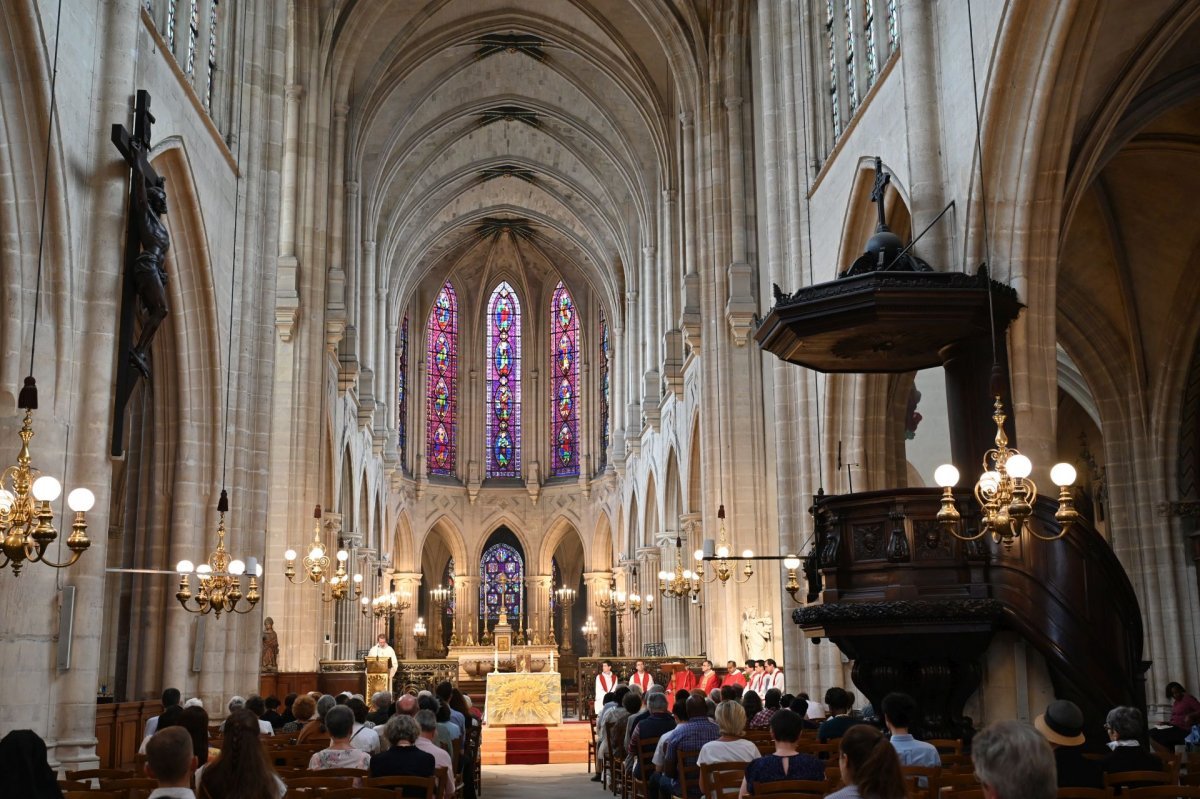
(723, 570)
(682, 582)
(26, 519)
(1005, 492)
(219, 588)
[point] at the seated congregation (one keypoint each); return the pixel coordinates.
(655, 744)
(310, 745)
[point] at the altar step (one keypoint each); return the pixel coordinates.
(567, 743)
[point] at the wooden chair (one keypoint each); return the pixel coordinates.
(795, 789)
(954, 784)
(1140, 778)
(100, 774)
(639, 781)
(293, 757)
(74, 785)
(93, 794)
(323, 783)
(822, 751)
(133, 787)
(687, 773)
(946, 746)
(1163, 792)
(356, 773)
(722, 780)
(923, 781)
(959, 763)
(359, 793)
(963, 793)
(427, 784)
(591, 749)
(1084, 793)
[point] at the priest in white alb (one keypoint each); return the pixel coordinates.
(640, 677)
(383, 649)
(606, 681)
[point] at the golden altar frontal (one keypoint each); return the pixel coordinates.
(377, 675)
(524, 698)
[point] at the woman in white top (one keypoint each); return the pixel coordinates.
(731, 747)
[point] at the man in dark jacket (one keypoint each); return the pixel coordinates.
(1062, 726)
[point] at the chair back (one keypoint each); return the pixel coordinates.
(74, 794)
(100, 774)
(1163, 792)
(1139, 778)
(946, 746)
(687, 772)
(645, 756)
(799, 789)
(133, 787)
(359, 793)
(955, 783)
(321, 782)
(722, 780)
(822, 751)
(922, 781)
(1084, 793)
(426, 784)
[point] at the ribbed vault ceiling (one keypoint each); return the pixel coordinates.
(556, 112)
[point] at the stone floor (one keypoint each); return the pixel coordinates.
(535, 782)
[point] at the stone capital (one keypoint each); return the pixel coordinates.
(685, 119)
(293, 92)
(340, 110)
(368, 245)
(733, 102)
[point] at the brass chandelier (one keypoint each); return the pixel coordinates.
(219, 581)
(682, 583)
(316, 563)
(1005, 492)
(723, 570)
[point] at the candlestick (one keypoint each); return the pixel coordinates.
(551, 660)
(496, 659)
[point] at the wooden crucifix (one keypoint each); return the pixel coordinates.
(144, 278)
(878, 192)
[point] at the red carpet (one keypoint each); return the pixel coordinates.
(526, 745)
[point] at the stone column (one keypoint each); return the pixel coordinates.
(346, 609)
(693, 534)
(407, 583)
(627, 582)
(649, 563)
(466, 607)
(597, 585)
(537, 597)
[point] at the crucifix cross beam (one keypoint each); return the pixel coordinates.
(878, 191)
(135, 154)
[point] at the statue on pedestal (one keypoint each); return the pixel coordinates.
(269, 662)
(756, 634)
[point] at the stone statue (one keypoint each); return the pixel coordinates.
(149, 273)
(269, 663)
(756, 634)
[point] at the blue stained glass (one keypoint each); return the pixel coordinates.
(500, 559)
(402, 391)
(564, 393)
(443, 376)
(503, 424)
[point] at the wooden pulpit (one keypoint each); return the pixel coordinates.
(377, 675)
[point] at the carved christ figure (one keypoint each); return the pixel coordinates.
(149, 271)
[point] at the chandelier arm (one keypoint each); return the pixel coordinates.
(983, 530)
(70, 562)
(1032, 528)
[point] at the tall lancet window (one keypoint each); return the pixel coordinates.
(402, 390)
(441, 417)
(564, 383)
(605, 392)
(504, 383)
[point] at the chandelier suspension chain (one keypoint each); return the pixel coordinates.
(37, 293)
(987, 248)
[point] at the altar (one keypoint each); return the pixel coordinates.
(524, 698)
(476, 662)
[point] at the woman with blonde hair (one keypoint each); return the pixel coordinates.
(731, 747)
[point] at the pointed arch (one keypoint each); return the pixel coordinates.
(861, 215)
(564, 383)
(672, 493)
(652, 523)
(403, 549)
(600, 555)
(631, 525)
(442, 392)
(559, 530)
(693, 500)
(503, 402)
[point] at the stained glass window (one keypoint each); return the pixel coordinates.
(448, 582)
(443, 378)
(213, 8)
(564, 383)
(834, 100)
(504, 383)
(892, 26)
(193, 33)
(869, 41)
(851, 81)
(500, 559)
(605, 394)
(402, 389)
(170, 32)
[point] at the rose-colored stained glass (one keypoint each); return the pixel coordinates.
(605, 395)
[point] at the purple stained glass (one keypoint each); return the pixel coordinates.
(443, 376)
(504, 383)
(402, 390)
(500, 559)
(564, 383)
(604, 391)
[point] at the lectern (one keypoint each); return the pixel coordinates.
(377, 675)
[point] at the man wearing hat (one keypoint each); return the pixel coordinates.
(1062, 726)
